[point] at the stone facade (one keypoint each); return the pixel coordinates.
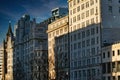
(58, 55)
(8, 55)
(111, 62)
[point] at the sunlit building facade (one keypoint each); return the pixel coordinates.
(1, 61)
(58, 55)
(111, 62)
(8, 55)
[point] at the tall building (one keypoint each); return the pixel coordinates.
(1, 62)
(8, 55)
(91, 25)
(30, 50)
(58, 55)
(111, 62)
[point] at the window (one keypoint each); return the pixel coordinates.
(97, 40)
(87, 13)
(74, 10)
(87, 4)
(113, 53)
(78, 8)
(79, 72)
(83, 24)
(92, 21)
(87, 22)
(93, 41)
(70, 12)
(108, 54)
(70, 4)
(110, 0)
(78, 17)
(113, 77)
(82, 7)
(109, 78)
(75, 46)
(92, 11)
(110, 9)
(78, 1)
(92, 31)
(91, 2)
(74, 19)
(118, 52)
(74, 2)
(83, 43)
(75, 74)
(79, 35)
(88, 33)
(119, 1)
(88, 42)
(79, 45)
(75, 37)
(119, 9)
(97, 30)
(93, 51)
(82, 15)
(83, 34)
(104, 55)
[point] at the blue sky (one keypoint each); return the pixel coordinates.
(12, 10)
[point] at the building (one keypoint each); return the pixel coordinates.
(1, 62)
(60, 11)
(111, 62)
(30, 50)
(58, 55)
(91, 25)
(8, 55)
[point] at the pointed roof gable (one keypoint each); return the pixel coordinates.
(9, 30)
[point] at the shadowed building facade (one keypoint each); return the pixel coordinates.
(91, 24)
(30, 50)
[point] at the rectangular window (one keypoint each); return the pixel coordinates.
(88, 33)
(88, 42)
(79, 35)
(118, 52)
(79, 45)
(108, 54)
(91, 2)
(87, 13)
(119, 9)
(92, 11)
(104, 55)
(78, 8)
(74, 19)
(110, 9)
(87, 4)
(78, 1)
(74, 2)
(113, 53)
(82, 15)
(110, 0)
(93, 51)
(93, 41)
(82, 6)
(83, 43)
(83, 34)
(92, 31)
(78, 17)
(74, 10)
